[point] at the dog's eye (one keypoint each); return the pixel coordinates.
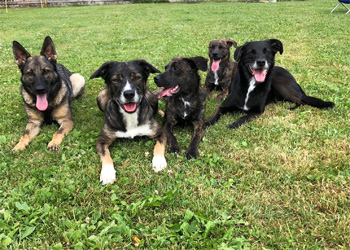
(174, 67)
(46, 71)
(137, 77)
(266, 50)
(221, 47)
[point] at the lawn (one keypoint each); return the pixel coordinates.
(280, 182)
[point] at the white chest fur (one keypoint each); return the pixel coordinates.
(132, 128)
(216, 77)
(252, 85)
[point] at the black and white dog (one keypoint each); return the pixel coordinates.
(258, 82)
(130, 110)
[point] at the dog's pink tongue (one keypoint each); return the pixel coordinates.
(130, 107)
(165, 92)
(215, 65)
(260, 75)
(41, 102)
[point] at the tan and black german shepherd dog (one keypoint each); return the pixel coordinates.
(47, 90)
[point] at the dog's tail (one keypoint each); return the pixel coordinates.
(316, 102)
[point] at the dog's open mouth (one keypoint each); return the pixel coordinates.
(130, 107)
(169, 92)
(215, 65)
(259, 74)
(41, 102)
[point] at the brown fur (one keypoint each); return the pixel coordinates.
(53, 79)
(220, 50)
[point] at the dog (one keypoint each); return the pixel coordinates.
(258, 82)
(47, 90)
(185, 101)
(130, 110)
(221, 67)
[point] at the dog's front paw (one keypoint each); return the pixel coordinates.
(191, 154)
(53, 146)
(158, 163)
(19, 146)
(233, 126)
(174, 149)
(108, 175)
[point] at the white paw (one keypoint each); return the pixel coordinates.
(158, 163)
(107, 174)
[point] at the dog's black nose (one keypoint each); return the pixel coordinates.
(156, 79)
(215, 54)
(129, 94)
(260, 63)
(40, 89)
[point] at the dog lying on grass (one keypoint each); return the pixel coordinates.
(185, 101)
(47, 91)
(221, 67)
(258, 82)
(130, 110)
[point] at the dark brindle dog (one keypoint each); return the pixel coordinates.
(258, 83)
(47, 90)
(185, 101)
(221, 67)
(130, 110)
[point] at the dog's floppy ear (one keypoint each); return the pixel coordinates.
(276, 45)
(238, 53)
(103, 70)
(48, 50)
(200, 62)
(231, 43)
(20, 53)
(147, 66)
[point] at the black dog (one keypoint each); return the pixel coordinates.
(47, 90)
(185, 101)
(130, 110)
(258, 83)
(221, 67)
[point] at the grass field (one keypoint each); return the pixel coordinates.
(280, 182)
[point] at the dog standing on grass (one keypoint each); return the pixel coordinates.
(47, 91)
(130, 110)
(258, 82)
(185, 101)
(221, 67)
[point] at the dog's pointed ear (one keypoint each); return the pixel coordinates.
(48, 50)
(20, 53)
(149, 68)
(276, 45)
(200, 62)
(231, 43)
(103, 70)
(238, 53)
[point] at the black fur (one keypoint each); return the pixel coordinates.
(186, 104)
(256, 62)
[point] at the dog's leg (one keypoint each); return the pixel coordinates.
(64, 118)
(198, 133)
(78, 84)
(222, 95)
(159, 161)
(242, 120)
(106, 138)
(171, 139)
(32, 130)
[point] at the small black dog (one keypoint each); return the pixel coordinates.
(258, 83)
(221, 67)
(130, 110)
(185, 100)
(47, 90)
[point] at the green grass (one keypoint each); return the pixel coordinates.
(279, 182)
